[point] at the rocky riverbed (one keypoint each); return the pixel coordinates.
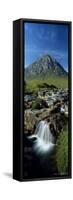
(48, 104)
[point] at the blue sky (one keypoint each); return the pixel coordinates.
(42, 39)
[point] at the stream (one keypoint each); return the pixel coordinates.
(39, 153)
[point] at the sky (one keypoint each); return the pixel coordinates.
(43, 39)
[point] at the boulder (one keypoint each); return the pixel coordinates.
(29, 121)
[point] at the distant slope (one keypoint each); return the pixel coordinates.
(45, 67)
(35, 84)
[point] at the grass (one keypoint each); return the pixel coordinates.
(62, 152)
(33, 85)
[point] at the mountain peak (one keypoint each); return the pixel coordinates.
(45, 66)
(47, 56)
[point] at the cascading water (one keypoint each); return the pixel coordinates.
(43, 132)
(44, 141)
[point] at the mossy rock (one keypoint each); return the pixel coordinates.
(39, 104)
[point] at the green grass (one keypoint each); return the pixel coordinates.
(62, 152)
(33, 85)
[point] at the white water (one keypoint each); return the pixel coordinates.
(44, 141)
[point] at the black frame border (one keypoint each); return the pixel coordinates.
(22, 39)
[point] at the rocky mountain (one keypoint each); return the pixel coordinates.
(46, 66)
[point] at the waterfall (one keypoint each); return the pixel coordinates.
(43, 132)
(44, 140)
